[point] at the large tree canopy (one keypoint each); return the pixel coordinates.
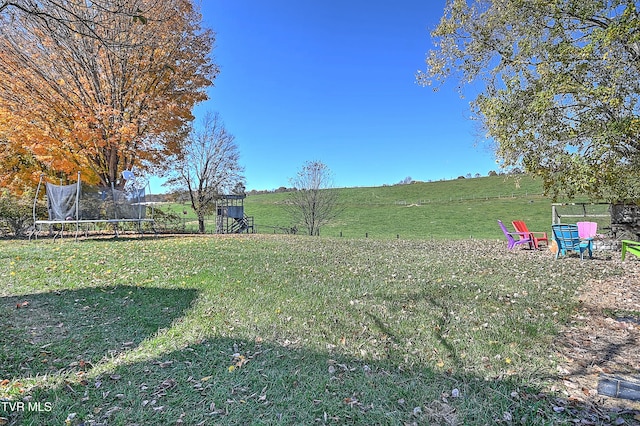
(71, 13)
(559, 87)
(98, 89)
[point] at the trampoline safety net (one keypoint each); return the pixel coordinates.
(61, 201)
(84, 202)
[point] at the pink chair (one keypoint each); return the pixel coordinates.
(587, 230)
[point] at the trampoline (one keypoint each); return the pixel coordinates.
(78, 207)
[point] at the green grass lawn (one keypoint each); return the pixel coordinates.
(443, 210)
(264, 329)
(455, 209)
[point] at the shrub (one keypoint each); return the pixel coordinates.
(167, 221)
(17, 211)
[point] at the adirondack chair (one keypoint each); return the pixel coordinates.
(587, 229)
(536, 237)
(568, 239)
(511, 241)
(630, 246)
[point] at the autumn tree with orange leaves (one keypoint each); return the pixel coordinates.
(98, 101)
(64, 12)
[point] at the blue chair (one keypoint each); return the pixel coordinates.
(568, 239)
(511, 241)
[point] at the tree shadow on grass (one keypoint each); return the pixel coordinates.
(48, 333)
(234, 381)
(226, 380)
(572, 409)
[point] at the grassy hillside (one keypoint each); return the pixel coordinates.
(445, 209)
(454, 209)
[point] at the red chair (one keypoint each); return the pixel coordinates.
(536, 237)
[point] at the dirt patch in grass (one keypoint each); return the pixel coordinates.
(602, 339)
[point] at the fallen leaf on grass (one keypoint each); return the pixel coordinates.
(239, 360)
(70, 418)
(164, 386)
(112, 410)
(22, 305)
(440, 413)
(351, 401)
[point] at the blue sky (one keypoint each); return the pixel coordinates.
(334, 81)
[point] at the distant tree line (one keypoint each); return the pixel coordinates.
(271, 191)
(406, 181)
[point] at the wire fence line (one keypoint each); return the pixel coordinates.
(190, 224)
(574, 212)
(470, 198)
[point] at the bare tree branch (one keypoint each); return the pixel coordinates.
(314, 202)
(208, 165)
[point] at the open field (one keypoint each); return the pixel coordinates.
(448, 209)
(454, 209)
(264, 329)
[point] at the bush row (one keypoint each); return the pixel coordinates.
(16, 215)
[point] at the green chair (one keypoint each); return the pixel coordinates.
(632, 247)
